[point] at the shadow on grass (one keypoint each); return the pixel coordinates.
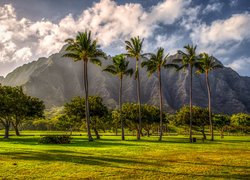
(76, 142)
(122, 163)
(66, 156)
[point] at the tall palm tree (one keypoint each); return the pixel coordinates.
(134, 50)
(84, 48)
(155, 63)
(120, 69)
(189, 60)
(207, 64)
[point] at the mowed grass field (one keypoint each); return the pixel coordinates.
(110, 158)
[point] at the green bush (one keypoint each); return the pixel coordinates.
(55, 139)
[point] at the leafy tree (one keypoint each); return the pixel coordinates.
(207, 64)
(155, 63)
(15, 107)
(134, 50)
(84, 48)
(188, 61)
(151, 115)
(115, 114)
(221, 122)
(67, 123)
(120, 69)
(76, 110)
(200, 118)
(26, 108)
(241, 121)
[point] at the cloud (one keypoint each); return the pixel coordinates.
(223, 38)
(212, 8)
(234, 3)
(241, 65)
(22, 40)
(222, 33)
(108, 21)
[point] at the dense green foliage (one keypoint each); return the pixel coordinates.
(75, 112)
(16, 107)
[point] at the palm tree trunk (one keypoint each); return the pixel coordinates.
(160, 96)
(209, 107)
(86, 101)
(191, 102)
(139, 99)
(120, 104)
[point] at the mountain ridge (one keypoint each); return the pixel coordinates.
(56, 80)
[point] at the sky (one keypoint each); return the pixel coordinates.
(30, 29)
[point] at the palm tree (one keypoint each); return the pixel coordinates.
(155, 63)
(188, 61)
(84, 48)
(134, 50)
(120, 69)
(207, 64)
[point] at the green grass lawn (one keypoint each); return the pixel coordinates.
(175, 158)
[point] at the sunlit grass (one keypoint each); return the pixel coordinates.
(175, 157)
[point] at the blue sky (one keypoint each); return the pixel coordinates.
(30, 29)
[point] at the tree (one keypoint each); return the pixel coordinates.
(97, 109)
(188, 61)
(115, 115)
(134, 50)
(150, 115)
(200, 118)
(84, 48)
(206, 65)
(155, 63)
(26, 108)
(221, 122)
(241, 121)
(15, 107)
(120, 69)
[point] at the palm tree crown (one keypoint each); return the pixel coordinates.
(119, 66)
(84, 48)
(207, 63)
(157, 61)
(189, 58)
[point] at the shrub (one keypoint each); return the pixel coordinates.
(55, 139)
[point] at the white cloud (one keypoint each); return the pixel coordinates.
(22, 54)
(22, 40)
(222, 33)
(241, 65)
(212, 8)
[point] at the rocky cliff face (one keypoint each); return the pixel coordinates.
(56, 80)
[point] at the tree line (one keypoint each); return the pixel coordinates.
(134, 116)
(85, 48)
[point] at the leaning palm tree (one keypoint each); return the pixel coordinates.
(84, 48)
(188, 61)
(155, 63)
(120, 69)
(134, 50)
(207, 64)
